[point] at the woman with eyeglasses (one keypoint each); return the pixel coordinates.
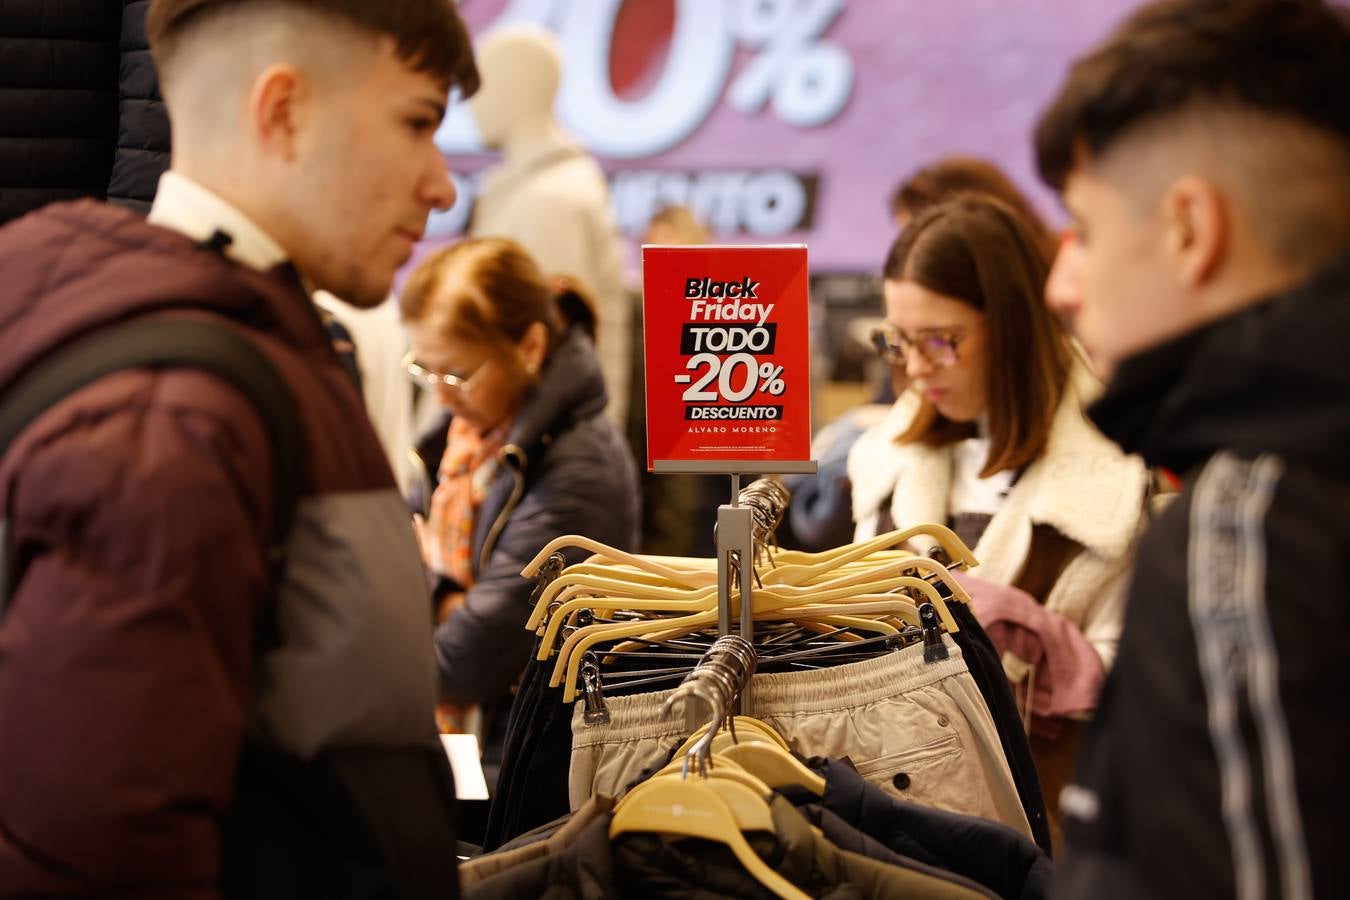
(989, 437)
(526, 454)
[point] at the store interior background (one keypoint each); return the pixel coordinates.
(791, 121)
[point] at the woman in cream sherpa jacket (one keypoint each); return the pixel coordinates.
(990, 438)
(1082, 486)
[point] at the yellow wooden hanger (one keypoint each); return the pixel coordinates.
(580, 541)
(746, 726)
(581, 640)
(894, 570)
(793, 565)
(720, 766)
(775, 766)
(577, 598)
(668, 804)
(632, 575)
(956, 549)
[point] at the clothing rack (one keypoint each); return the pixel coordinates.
(735, 553)
(634, 627)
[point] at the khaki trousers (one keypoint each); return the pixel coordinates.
(920, 731)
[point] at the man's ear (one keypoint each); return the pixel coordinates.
(1197, 215)
(275, 109)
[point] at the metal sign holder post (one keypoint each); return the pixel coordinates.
(735, 534)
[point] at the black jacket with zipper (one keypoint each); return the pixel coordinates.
(1216, 764)
(565, 470)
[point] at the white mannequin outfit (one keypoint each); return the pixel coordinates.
(548, 194)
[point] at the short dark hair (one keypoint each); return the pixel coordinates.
(429, 35)
(952, 175)
(1287, 58)
(981, 251)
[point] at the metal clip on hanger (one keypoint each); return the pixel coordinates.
(596, 712)
(548, 573)
(933, 648)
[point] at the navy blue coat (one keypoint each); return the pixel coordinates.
(566, 470)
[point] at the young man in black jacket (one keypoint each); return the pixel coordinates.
(1204, 155)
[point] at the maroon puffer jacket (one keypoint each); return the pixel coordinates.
(140, 505)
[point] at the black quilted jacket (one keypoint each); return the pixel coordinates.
(58, 101)
(80, 111)
(143, 124)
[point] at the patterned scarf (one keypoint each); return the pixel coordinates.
(466, 473)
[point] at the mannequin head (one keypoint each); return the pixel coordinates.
(520, 69)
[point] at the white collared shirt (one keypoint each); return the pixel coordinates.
(184, 206)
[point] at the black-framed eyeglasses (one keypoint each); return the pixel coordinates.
(936, 345)
(430, 378)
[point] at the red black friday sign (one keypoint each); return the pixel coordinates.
(727, 356)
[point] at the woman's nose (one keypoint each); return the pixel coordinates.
(916, 365)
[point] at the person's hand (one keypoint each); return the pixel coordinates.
(446, 605)
(425, 541)
(420, 530)
(458, 718)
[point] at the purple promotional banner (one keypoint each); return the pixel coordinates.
(790, 120)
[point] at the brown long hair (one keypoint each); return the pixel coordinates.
(980, 251)
(500, 291)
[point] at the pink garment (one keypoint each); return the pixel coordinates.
(1068, 672)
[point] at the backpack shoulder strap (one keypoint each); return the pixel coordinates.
(158, 344)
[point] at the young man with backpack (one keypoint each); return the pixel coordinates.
(206, 687)
(1203, 153)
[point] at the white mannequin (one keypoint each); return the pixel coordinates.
(548, 194)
